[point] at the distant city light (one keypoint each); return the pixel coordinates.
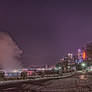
(59, 67)
(15, 71)
(84, 55)
(83, 64)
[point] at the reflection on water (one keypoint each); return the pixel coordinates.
(83, 77)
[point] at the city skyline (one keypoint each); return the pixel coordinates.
(47, 30)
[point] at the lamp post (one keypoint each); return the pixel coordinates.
(83, 65)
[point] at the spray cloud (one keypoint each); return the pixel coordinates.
(9, 53)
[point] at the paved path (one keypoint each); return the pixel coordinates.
(77, 83)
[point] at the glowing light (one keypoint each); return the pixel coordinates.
(59, 67)
(15, 71)
(84, 55)
(83, 64)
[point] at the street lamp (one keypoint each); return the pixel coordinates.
(83, 64)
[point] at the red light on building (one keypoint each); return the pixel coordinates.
(84, 55)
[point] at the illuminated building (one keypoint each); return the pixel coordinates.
(70, 55)
(79, 54)
(84, 55)
(79, 59)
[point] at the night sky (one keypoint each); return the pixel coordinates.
(46, 29)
